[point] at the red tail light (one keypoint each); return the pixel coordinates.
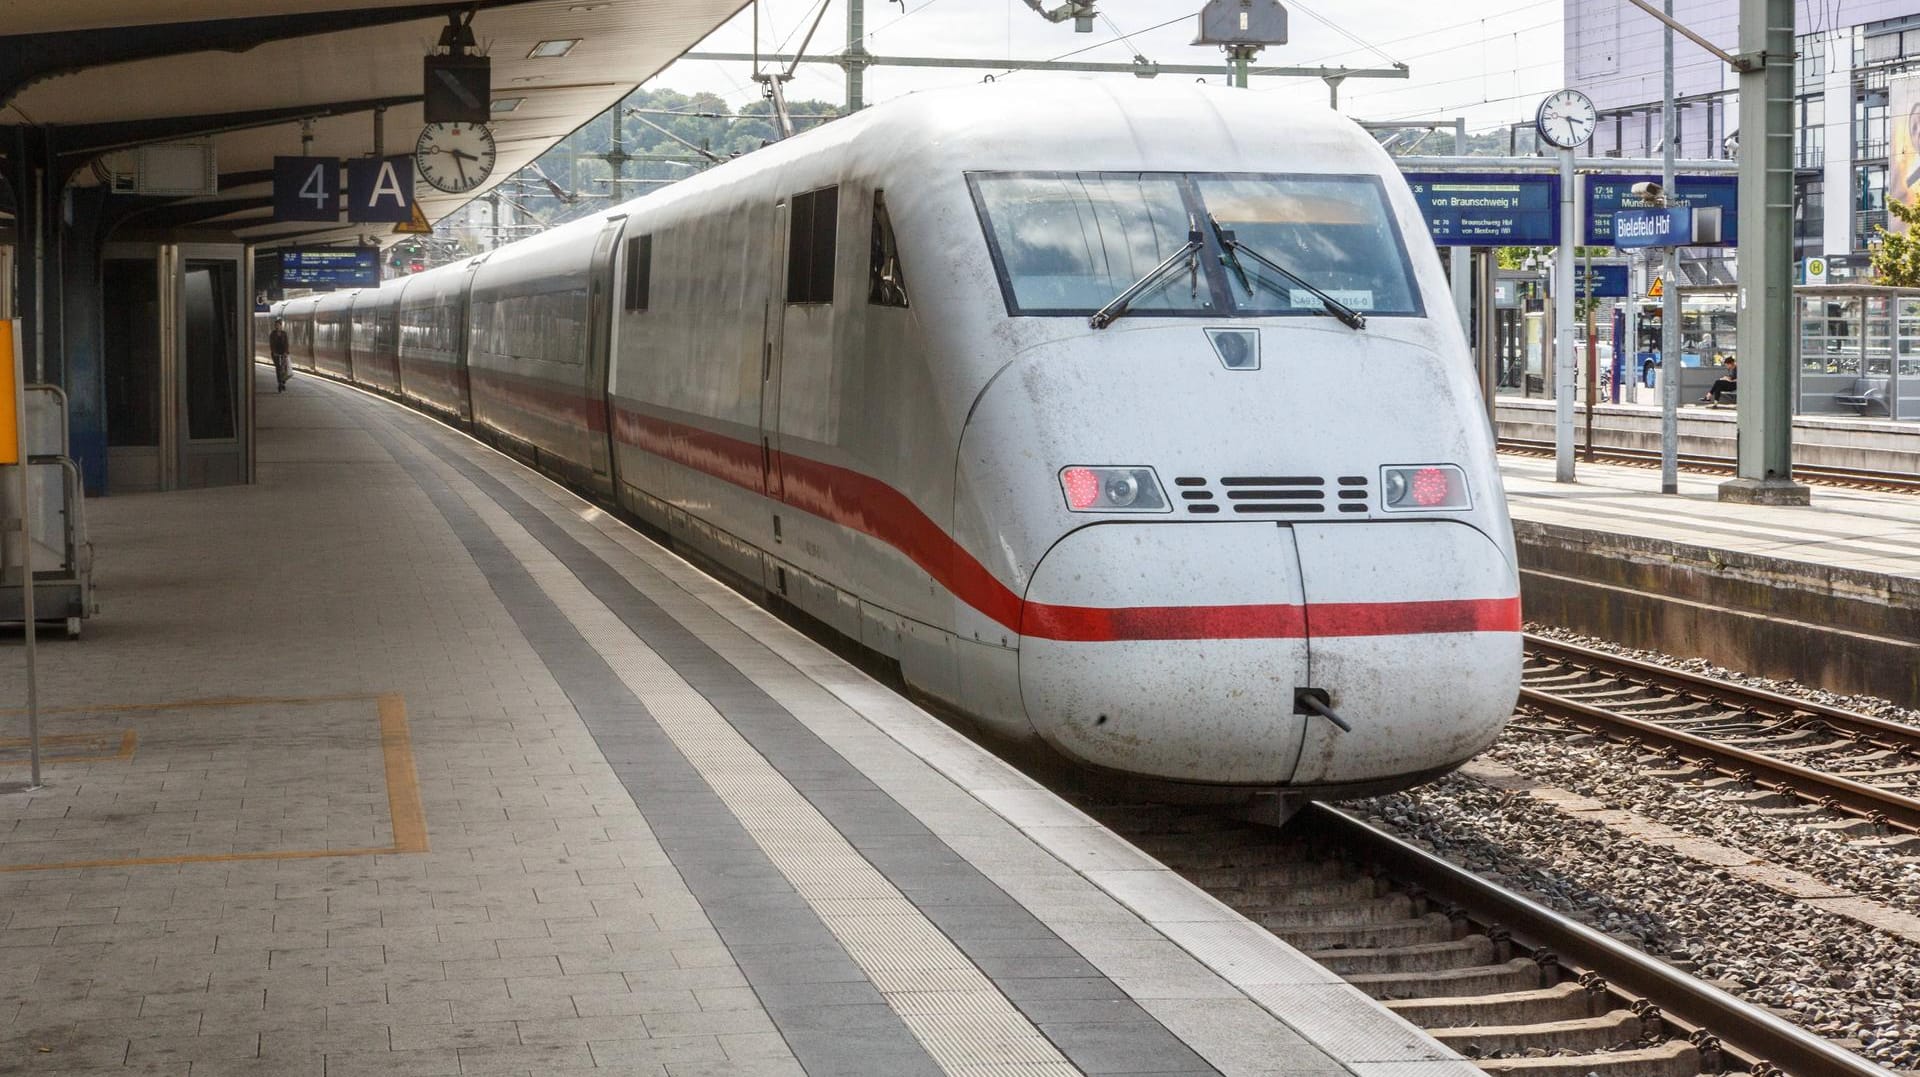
(1431, 487)
(1082, 487)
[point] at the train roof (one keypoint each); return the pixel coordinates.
(1069, 124)
(1030, 123)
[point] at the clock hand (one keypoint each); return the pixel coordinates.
(462, 166)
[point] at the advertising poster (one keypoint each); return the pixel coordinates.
(1903, 144)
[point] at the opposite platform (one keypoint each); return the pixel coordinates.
(1828, 593)
(406, 761)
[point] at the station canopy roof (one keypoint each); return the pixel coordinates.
(99, 76)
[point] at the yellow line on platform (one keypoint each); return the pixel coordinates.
(404, 807)
(210, 701)
(128, 740)
(403, 783)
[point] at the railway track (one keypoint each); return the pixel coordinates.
(1849, 478)
(1803, 752)
(1507, 982)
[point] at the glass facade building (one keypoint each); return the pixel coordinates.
(1847, 55)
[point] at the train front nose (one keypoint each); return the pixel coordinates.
(1176, 650)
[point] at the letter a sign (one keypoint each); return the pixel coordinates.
(380, 189)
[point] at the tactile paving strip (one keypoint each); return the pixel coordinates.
(978, 1025)
(726, 669)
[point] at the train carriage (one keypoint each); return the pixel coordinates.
(332, 334)
(374, 339)
(431, 348)
(297, 315)
(537, 379)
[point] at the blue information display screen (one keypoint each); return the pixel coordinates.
(1489, 209)
(330, 267)
(1607, 195)
(1600, 282)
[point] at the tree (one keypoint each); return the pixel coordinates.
(1896, 255)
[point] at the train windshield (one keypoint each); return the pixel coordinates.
(1066, 243)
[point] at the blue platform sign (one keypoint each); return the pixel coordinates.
(330, 267)
(1669, 226)
(306, 188)
(380, 189)
(1608, 195)
(1600, 282)
(1488, 209)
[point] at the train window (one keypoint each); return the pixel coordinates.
(1068, 243)
(813, 231)
(887, 283)
(639, 271)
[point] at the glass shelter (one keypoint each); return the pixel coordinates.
(1857, 351)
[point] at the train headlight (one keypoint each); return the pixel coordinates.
(1424, 488)
(1112, 489)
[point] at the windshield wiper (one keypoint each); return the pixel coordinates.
(1233, 248)
(1190, 253)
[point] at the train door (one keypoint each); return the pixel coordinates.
(773, 321)
(600, 352)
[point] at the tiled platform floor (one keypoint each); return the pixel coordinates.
(405, 761)
(1869, 532)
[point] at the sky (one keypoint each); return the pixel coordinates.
(1487, 60)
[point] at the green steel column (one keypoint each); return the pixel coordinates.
(856, 55)
(1766, 258)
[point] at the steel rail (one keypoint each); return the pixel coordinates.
(1842, 794)
(1829, 475)
(1742, 1028)
(1725, 693)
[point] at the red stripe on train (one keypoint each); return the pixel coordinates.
(871, 507)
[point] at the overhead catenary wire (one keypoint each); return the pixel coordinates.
(1343, 32)
(1480, 21)
(1103, 44)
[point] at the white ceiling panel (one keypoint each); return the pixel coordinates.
(622, 43)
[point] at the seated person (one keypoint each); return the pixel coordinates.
(1727, 382)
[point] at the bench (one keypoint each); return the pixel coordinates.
(1866, 395)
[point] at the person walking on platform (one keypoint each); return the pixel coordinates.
(1726, 383)
(282, 361)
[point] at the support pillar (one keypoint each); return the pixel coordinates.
(58, 299)
(1460, 259)
(856, 56)
(1564, 377)
(1487, 313)
(82, 355)
(1765, 325)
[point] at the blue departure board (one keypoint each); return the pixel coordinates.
(1489, 209)
(330, 267)
(1607, 195)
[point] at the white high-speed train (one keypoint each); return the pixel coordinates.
(1137, 421)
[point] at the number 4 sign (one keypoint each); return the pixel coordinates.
(380, 189)
(306, 188)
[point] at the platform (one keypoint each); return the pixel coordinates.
(1827, 593)
(1830, 441)
(405, 761)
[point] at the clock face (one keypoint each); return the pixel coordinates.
(454, 157)
(1567, 119)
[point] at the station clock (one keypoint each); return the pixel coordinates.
(1567, 119)
(454, 157)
